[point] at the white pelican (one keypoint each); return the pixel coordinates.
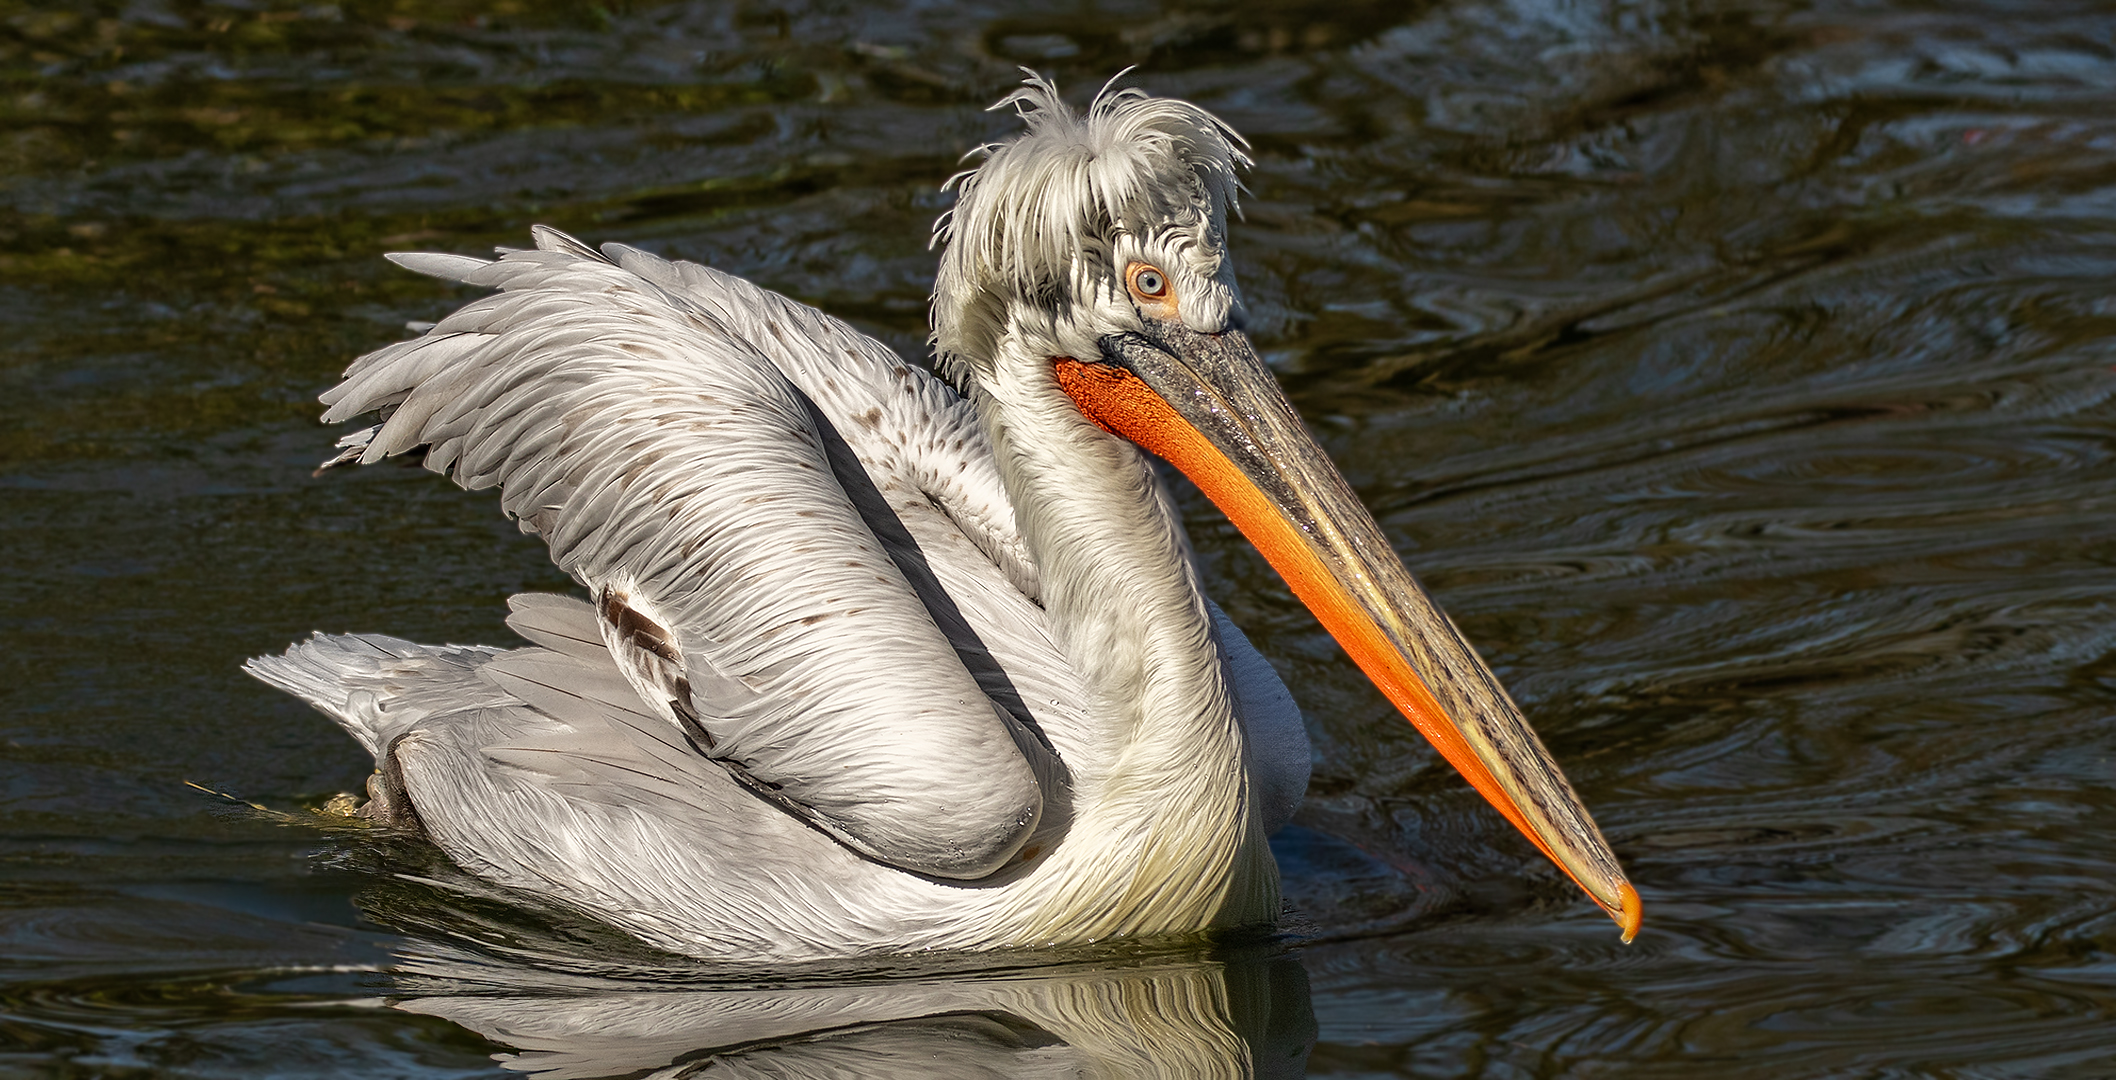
(872, 664)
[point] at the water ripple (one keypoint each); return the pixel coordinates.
(1738, 376)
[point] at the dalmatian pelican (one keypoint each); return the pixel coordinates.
(874, 661)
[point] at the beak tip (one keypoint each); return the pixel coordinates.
(1630, 914)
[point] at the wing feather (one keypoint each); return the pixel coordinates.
(900, 421)
(561, 686)
(670, 461)
(559, 623)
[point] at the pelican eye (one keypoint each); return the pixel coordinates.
(1148, 282)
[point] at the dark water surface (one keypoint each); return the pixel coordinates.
(1738, 375)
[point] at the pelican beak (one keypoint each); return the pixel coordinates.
(1207, 404)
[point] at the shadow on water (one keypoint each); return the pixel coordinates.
(1737, 374)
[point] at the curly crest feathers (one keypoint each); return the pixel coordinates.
(1036, 220)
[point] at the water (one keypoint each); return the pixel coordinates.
(1738, 375)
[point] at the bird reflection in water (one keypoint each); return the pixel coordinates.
(1182, 1017)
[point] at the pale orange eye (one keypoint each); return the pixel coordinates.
(1148, 282)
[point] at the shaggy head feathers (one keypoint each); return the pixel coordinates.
(1040, 224)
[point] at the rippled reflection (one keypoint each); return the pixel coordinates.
(1175, 1018)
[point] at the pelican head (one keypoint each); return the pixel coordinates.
(1050, 234)
(1085, 290)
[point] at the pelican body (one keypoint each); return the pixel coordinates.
(877, 662)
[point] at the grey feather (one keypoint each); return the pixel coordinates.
(564, 687)
(672, 461)
(436, 264)
(377, 687)
(1280, 755)
(559, 623)
(550, 239)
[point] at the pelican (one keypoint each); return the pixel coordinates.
(876, 661)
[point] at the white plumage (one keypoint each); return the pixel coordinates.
(868, 665)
